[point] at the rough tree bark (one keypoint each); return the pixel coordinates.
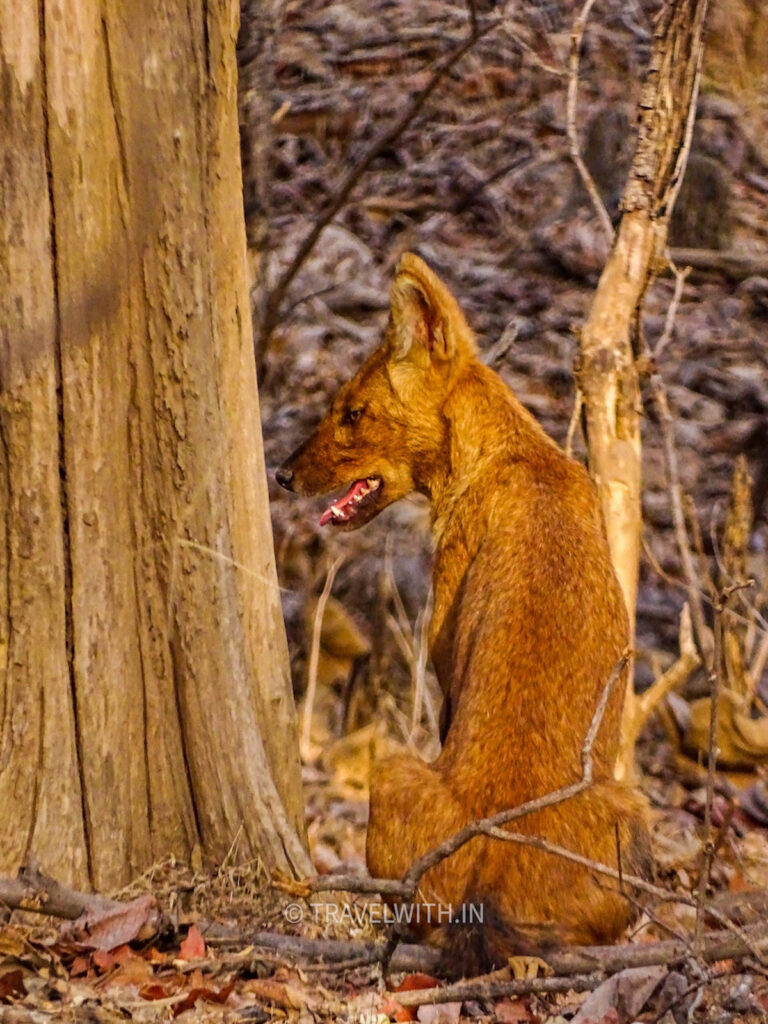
(607, 372)
(145, 703)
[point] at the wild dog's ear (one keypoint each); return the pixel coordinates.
(426, 320)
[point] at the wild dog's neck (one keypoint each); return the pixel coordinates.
(488, 429)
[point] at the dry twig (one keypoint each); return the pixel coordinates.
(356, 171)
(35, 892)
(445, 849)
(708, 852)
(314, 657)
(595, 963)
(715, 690)
(575, 420)
(674, 305)
(701, 633)
(421, 636)
(406, 887)
(675, 675)
(577, 34)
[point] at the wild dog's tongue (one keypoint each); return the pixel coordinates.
(343, 509)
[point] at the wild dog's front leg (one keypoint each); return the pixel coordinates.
(441, 639)
(412, 810)
(454, 555)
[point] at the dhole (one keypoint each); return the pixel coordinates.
(528, 623)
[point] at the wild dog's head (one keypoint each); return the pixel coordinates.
(385, 431)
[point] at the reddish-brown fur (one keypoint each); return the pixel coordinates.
(528, 623)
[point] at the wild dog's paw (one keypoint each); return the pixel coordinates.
(523, 967)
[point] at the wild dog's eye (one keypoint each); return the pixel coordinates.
(351, 416)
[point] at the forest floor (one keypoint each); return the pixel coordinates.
(480, 184)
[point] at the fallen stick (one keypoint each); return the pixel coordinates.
(592, 964)
(588, 964)
(32, 890)
(483, 988)
(407, 957)
(96, 922)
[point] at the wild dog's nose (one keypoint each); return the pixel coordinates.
(285, 478)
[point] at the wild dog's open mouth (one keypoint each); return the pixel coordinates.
(359, 495)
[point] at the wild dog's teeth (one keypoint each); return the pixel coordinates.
(363, 492)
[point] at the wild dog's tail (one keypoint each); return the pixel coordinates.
(480, 939)
(483, 935)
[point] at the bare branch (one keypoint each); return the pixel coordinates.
(472, 5)
(482, 989)
(634, 881)
(533, 56)
(682, 157)
(33, 891)
(355, 173)
(406, 887)
(577, 34)
(445, 849)
(333, 952)
(715, 689)
(314, 657)
(567, 965)
(667, 110)
(419, 671)
(676, 674)
(669, 320)
(702, 634)
(573, 423)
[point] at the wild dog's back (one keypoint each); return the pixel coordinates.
(529, 619)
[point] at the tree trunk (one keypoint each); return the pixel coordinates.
(607, 373)
(144, 687)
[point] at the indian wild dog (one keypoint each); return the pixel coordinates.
(528, 623)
